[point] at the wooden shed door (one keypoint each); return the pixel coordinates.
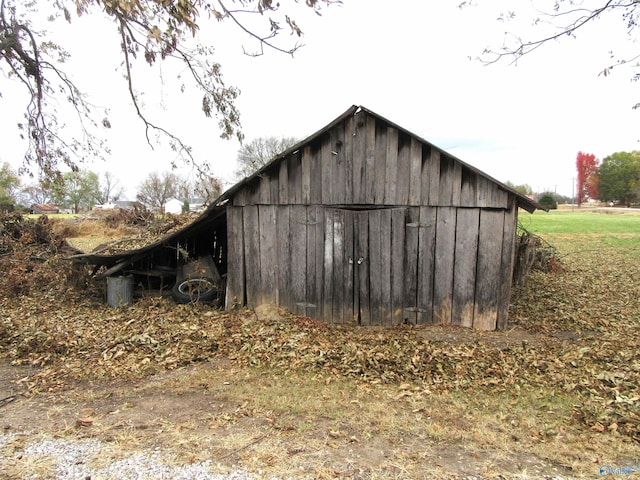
(364, 266)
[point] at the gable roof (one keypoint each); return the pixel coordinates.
(522, 201)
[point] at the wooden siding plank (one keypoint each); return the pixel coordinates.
(349, 297)
(268, 258)
(380, 163)
(391, 168)
(424, 174)
(235, 295)
(506, 268)
(464, 269)
(298, 231)
(433, 177)
(283, 275)
(375, 268)
(369, 167)
(468, 188)
(397, 258)
(488, 271)
(306, 179)
(251, 229)
(294, 169)
(327, 172)
(410, 268)
(339, 260)
(443, 268)
(426, 264)
(338, 172)
(483, 197)
(315, 195)
(312, 296)
(346, 136)
(404, 169)
(283, 184)
(446, 181)
(358, 159)
(386, 245)
(362, 260)
(274, 174)
(456, 184)
(319, 260)
(328, 267)
(415, 172)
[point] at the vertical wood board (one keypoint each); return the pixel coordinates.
(426, 264)
(444, 261)
(506, 267)
(415, 172)
(268, 251)
(464, 269)
(488, 271)
(251, 228)
(235, 294)
(391, 168)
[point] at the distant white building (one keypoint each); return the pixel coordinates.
(173, 206)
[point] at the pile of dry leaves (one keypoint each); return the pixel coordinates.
(582, 321)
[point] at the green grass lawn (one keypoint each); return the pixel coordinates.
(576, 230)
(576, 221)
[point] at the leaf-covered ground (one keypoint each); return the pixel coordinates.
(582, 322)
(561, 383)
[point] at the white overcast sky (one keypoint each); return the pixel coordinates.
(410, 61)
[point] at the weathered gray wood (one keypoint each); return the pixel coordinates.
(369, 173)
(433, 177)
(380, 164)
(363, 260)
(456, 184)
(298, 230)
(268, 257)
(446, 181)
(342, 286)
(264, 196)
(386, 246)
(283, 273)
(426, 264)
(391, 169)
(375, 267)
(506, 267)
(483, 198)
(443, 270)
(346, 151)
(468, 188)
(235, 295)
(398, 226)
(294, 168)
(415, 172)
(488, 270)
(330, 277)
(464, 269)
(315, 195)
(326, 161)
(283, 184)
(319, 260)
(251, 227)
(404, 169)
(312, 296)
(410, 268)
(338, 173)
(306, 179)
(358, 133)
(349, 267)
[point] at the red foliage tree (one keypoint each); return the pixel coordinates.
(587, 183)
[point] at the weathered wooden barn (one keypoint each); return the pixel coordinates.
(361, 223)
(366, 223)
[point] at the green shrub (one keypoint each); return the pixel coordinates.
(547, 201)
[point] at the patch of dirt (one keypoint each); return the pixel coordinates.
(177, 414)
